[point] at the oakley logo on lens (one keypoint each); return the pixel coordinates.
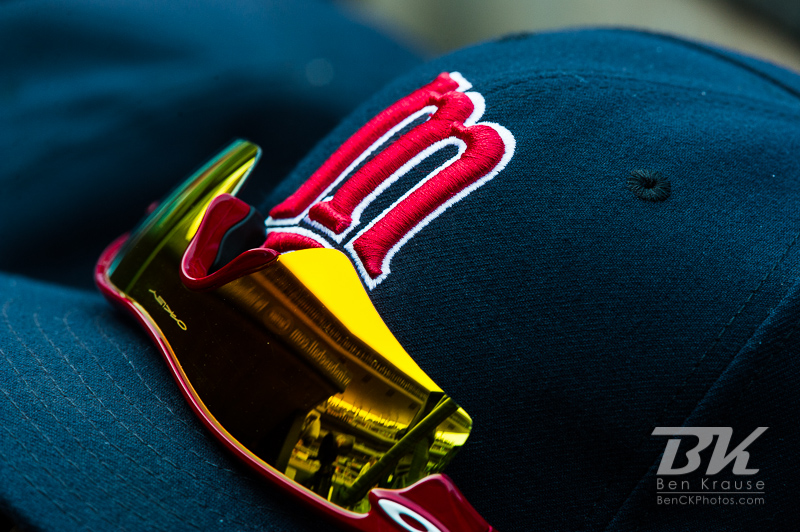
(705, 435)
(163, 304)
(326, 211)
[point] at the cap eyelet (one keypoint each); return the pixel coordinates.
(649, 185)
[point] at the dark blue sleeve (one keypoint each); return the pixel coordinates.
(104, 106)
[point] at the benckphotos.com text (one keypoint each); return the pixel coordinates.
(710, 492)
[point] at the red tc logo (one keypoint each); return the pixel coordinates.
(326, 210)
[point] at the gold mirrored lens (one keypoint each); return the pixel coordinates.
(292, 363)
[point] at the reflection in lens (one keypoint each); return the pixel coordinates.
(344, 451)
(372, 424)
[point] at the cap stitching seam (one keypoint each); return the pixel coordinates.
(681, 387)
(202, 435)
(707, 50)
(14, 437)
(40, 400)
(577, 76)
(160, 400)
(141, 378)
(87, 417)
(43, 466)
(754, 375)
(63, 393)
(134, 433)
(123, 394)
(102, 404)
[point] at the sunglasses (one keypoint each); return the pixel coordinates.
(286, 361)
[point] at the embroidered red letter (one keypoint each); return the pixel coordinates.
(484, 149)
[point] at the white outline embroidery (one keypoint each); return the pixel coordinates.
(325, 236)
(510, 144)
(429, 110)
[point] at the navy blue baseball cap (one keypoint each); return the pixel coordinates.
(591, 245)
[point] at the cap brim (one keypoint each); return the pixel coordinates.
(97, 436)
